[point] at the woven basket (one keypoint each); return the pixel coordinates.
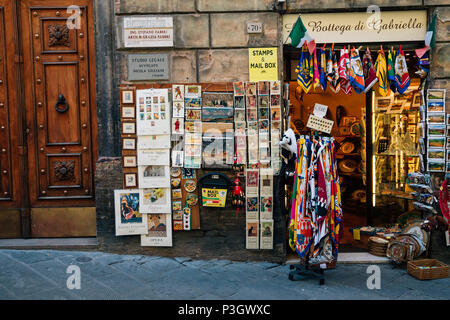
(377, 248)
(440, 270)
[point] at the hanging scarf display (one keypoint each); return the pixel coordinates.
(316, 215)
(424, 65)
(391, 70)
(323, 66)
(316, 71)
(356, 74)
(370, 75)
(344, 66)
(401, 72)
(303, 69)
(381, 68)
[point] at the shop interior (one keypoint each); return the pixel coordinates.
(379, 141)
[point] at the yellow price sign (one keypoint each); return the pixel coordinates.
(214, 197)
(263, 64)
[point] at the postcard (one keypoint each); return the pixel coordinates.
(437, 130)
(178, 109)
(264, 140)
(177, 158)
(252, 181)
(193, 138)
(253, 155)
(436, 142)
(275, 101)
(239, 115)
(178, 92)
(177, 194)
(266, 182)
(154, 176)
(239, 102)
(251, 102)
(275, 87)
(250, 88)
(266, 234)
(216, 114)
(438, 118)
(130, 180)
(159, 233)
(263, 113)
(275, 114)
(192, 91)
(129, 161)
(239, 88)
(436, 166)
(177, 126)
(193, 103)
(128, 112)
(127, 97)
(218, 100)
(154, 142)
(193, 126)
(263, 87)
(155, 200)
(193, 115)
(435, 106)
(252, 234)
(252, 212)
(436, 154)
(252, 114)
(241, 142)
(129, 143)
(253, 128)
(263, 126)
(266, 207)
(436, 95)
(264, 155)
(129, 220)
(240, 128)
(154, 157)
(263, 102)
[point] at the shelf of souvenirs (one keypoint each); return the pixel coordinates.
(396, 154)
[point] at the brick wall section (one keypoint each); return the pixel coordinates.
(210, 44)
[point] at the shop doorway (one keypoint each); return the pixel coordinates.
(48, 119)
(379, 145)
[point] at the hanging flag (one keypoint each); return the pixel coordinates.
(303, 69)
(316, 71)
(299, 36)
(323, 66)
(370, 75)
(356, 74)
(381, 68)
(391, 70)
(402, 79)
(430, 37)
(344, 65)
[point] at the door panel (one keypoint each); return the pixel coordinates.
(59, 104)
(60, 109)
(12, 149)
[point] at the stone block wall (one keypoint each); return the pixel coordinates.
(211, 44)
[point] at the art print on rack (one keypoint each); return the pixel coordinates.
(129, 220)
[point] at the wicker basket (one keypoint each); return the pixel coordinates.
(377, 246)
(440, 270)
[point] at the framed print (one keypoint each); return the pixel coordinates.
(155, 200)
(154, 176)
(128, 112)
(128, 128)
(437, 130)
(129, 220)
(129, 143)
(383, 103)
(436, 95)
(436, 118)
(436, 142)
(396, 106)
(435, 106)
(129, 161)
(130, 180)
(159, 232)
(127, 97)
(178, 92)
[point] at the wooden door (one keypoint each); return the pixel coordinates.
(60, 117)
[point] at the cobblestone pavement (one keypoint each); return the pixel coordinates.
(43, 275)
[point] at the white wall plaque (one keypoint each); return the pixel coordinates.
(145, 31)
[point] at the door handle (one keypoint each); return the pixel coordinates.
(61, 105)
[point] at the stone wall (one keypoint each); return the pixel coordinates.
(211, 44)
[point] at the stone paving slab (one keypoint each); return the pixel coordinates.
(41, 274)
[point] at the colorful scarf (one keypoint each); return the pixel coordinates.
(316, 71)
(369, 72)
(356, 75)
(304, 79)
(380, 66)
(333, 73)
(424, 65)
(323, 66)
(401, 72)
(344, 66)
(391, 70)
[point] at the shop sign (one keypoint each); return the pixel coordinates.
(254, 27)
(214, 197)
(263, 64)
(146, 32)
(363, 27)
(148, 66)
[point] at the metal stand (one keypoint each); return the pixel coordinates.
(304, 271)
